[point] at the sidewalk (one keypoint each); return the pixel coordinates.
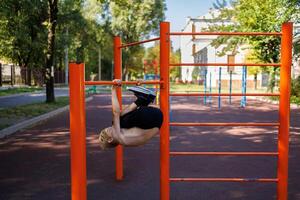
(27, 98)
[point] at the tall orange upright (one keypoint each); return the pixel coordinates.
(284, 109)
(78, 132)
(118, 75)
(164, 106)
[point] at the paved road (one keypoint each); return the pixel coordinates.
(35, 164)
(27, 98)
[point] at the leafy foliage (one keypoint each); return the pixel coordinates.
(255, 16)
(84, 27)
(22, 33)
(134, 21)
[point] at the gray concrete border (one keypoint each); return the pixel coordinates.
(33, 121)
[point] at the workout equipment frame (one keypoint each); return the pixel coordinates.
(78, 126)
(283, 124)
(77, 118)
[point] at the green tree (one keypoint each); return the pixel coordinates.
(22, 33)
(133, 21)
(255, 16)
(88, 32)
(51, 27)
(175, 58)
(152, 57)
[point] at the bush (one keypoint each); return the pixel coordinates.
(295, 91)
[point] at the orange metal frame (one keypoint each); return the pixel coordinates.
(226, 64)
(78, 126)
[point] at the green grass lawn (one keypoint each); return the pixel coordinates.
(294, 99)
(11, 91)
(174, 87)
(10, 116)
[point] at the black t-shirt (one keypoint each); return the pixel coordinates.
(143, 117)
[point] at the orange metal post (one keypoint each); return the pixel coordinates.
(77, 131)
(118, 75)
(284, 109)
(164, 106)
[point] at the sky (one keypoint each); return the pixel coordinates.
(179, 10)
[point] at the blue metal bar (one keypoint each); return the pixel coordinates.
(244, 85)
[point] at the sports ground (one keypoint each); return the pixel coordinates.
(35, 163)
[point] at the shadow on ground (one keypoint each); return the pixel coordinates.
(35, 163)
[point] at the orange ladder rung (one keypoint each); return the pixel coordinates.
(122, 82)
(223, 179)
(229, 33)
(223, 124)
(139, 42)
(226, 64)
(223, 153)
(223, 94)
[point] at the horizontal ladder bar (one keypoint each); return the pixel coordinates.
(223, 179)
(228, 33)
(226, 64)
(122, 82)
(224, 153)
(224, 94)
(137, 43)
(223, 124)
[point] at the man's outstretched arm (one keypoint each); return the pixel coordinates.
(114, 100)
(116, 111)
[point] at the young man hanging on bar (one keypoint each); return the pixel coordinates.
(136, 124)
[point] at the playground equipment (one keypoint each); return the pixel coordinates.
(244, 87)
(78, 129)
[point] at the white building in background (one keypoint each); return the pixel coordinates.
(198, 49)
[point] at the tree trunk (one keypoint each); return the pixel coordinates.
(0, 74)
(28, 74)
(49, 74)
(255, 81)
(67, 58)
(272, 82)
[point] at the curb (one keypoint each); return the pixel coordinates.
(33, 121)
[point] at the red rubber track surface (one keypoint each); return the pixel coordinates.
(35, 163)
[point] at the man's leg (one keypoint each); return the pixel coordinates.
(144, 95)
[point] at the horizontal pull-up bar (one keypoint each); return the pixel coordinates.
(224, 179)
(122, 82)
(137, 43)
(224, 153)
(225, 94)
(223, 124)
(228, 33)
(226, 64)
